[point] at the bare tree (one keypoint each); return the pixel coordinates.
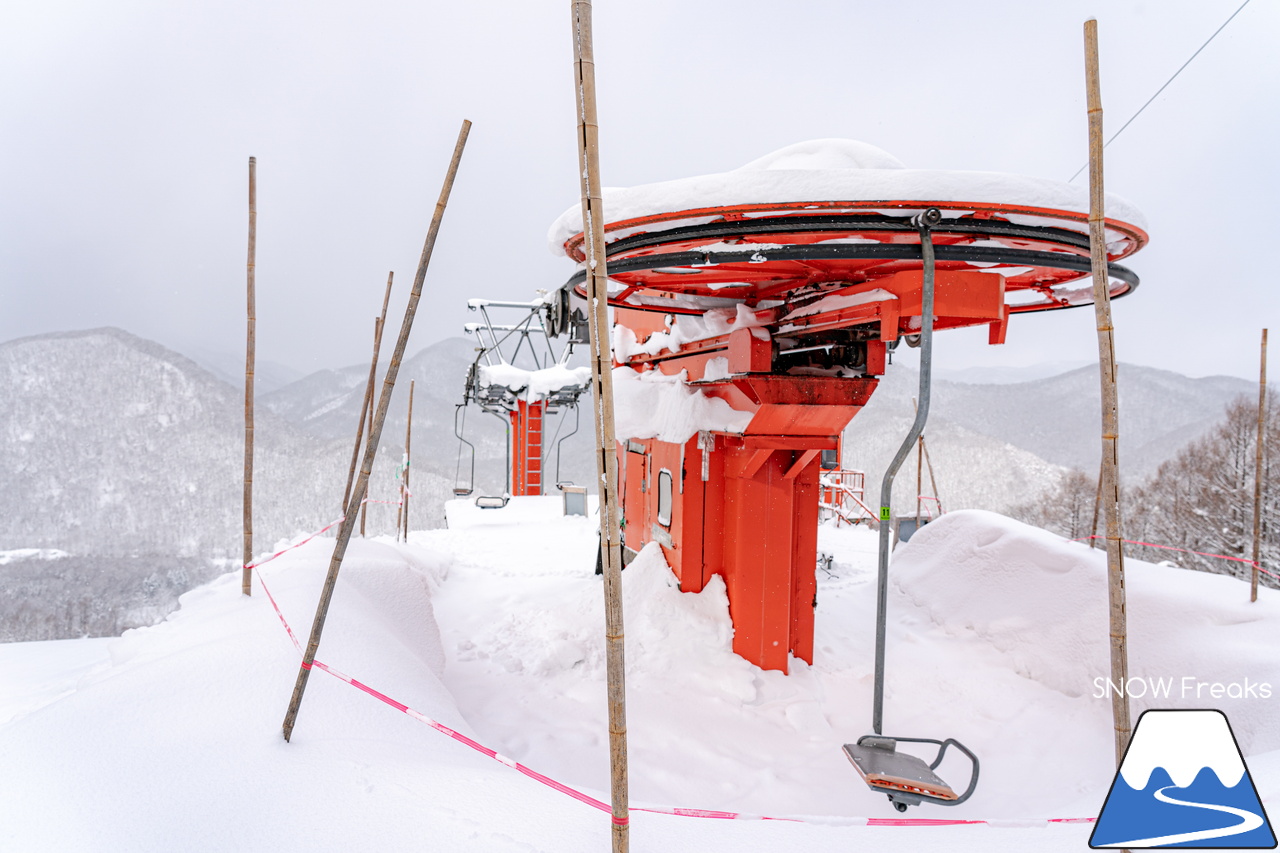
(1200, 500)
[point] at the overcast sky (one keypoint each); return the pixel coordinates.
(127, 128)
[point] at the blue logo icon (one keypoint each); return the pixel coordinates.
(1183, 783)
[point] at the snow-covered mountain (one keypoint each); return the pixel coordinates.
(1059, 418)
(998, 445)
(129, 456)
(268, 375)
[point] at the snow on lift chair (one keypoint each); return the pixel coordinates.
(905, 778)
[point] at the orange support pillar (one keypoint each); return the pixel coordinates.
(770, 552)
(526, 450)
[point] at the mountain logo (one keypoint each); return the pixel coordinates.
(1183, 783)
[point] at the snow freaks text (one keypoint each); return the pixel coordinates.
(1187, 687)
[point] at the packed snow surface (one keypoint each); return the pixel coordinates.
(837, 170)
(169, 738)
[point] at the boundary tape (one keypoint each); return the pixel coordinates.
(1244, 560)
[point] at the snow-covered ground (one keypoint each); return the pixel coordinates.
(169, 737)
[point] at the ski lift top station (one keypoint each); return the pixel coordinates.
(753, 313)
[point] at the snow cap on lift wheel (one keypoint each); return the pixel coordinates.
(837, 212)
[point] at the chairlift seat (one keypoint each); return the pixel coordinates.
(905, 778)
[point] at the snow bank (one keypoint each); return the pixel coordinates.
(995, 632)
(654, 405)
(176, 745)
(1041, 603)
(837, 170)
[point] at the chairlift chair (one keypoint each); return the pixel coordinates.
(906, 779)
(460, 490)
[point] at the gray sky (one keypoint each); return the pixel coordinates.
(127, 128)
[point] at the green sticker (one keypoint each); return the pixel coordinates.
(884, 513)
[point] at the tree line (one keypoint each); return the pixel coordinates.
(1200, 500)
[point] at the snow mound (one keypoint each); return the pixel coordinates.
(535, 384)
(1041, 603)
(654, 405)
(686, 329)
(825, 154)
(826, 170)
(996, 633)
(187, 714)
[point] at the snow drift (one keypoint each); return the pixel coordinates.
(495, 627)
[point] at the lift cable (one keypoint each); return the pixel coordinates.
(1166, 84)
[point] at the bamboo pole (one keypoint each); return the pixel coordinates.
(602, 385)
(933, 483)
(378, 323)
(246, 579)
(1097, 507)
(402, 514)
(919, 476)
(1257, 473)
(1110, 407)
(370, 450)
(364, 507)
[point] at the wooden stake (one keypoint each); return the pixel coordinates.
(919, 476)
(1257, 473)
(602, 385)
(368, 392)
(1110, 407)
(370, 450)
(1097, 507)
(364, 507)
(246, 579)
(402, 514)
(933, 483)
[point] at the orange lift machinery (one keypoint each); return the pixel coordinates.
(811, 297)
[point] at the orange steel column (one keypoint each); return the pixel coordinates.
(770, 554)
(526, 450)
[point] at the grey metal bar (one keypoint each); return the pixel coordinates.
(925, 221)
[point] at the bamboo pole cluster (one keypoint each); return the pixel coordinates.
(371, 447)
(366, 406)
